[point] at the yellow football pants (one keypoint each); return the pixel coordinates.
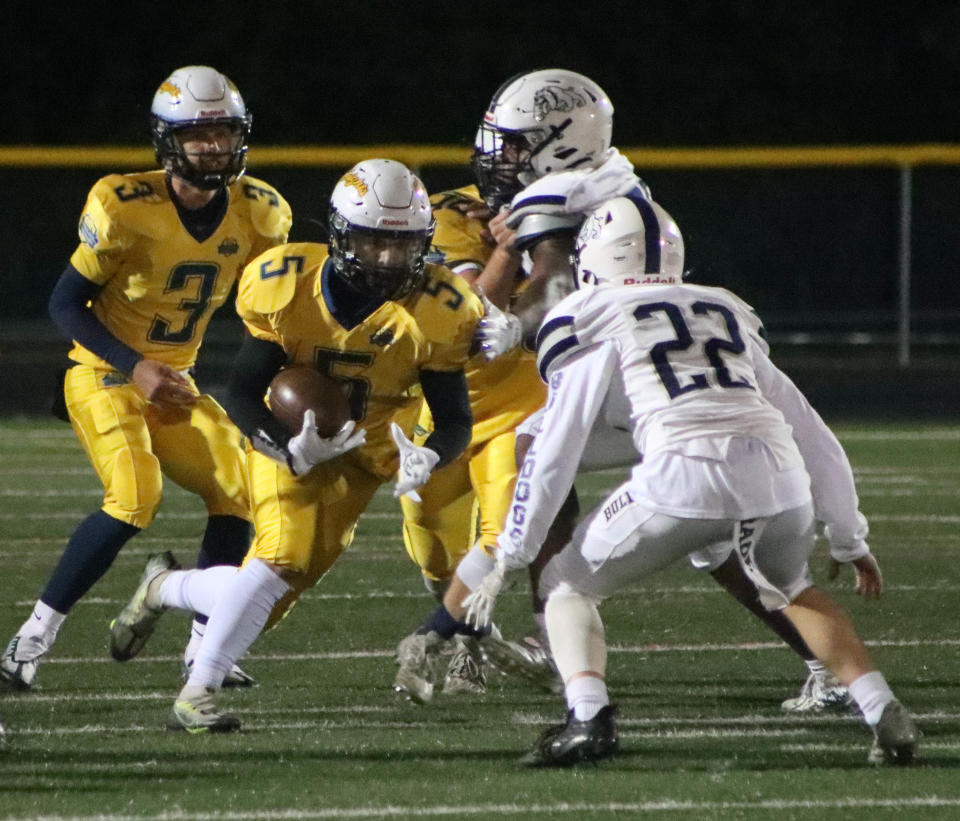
(439, 531)
(304, 524)
(132, 443)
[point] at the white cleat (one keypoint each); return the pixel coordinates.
(820, 692)
(526, 659)
(20, 660)
(195, 711)
(465, 673)
(130, 630)
(417, 656)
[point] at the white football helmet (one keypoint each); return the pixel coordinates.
(198, 96)
(629, 241)
(381, 226)
(540, 122)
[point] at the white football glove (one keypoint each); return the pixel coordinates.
(416, 463)
(480, 603)
(497, 331)
(309, 448)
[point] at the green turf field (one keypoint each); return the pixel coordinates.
(698, 681)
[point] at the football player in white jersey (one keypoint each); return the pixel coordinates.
(717, 461)
(552, 130)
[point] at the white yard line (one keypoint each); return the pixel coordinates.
(574, 809)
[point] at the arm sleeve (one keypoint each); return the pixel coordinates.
(835, 500)
(577, 391)
(446, 395)
(256, 363)
(69, 308)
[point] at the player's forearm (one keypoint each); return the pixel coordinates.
(498, 277)
(446, 396)
(69, 309)
(255, 365)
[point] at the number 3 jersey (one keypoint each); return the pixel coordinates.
(160, 284)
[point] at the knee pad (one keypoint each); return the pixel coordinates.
(135, 489)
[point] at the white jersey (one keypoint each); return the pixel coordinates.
(557, 203)
(691, 371)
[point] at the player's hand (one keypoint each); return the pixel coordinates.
(497, 331)
(161, 384)
(416, 464)
(479, 211)
(480, 603)
(869, 579)
(309, 448)
(504, 237)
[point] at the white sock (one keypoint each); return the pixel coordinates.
(586, 696)
(197, 629)
(576, 633)
(235, 622)
(872, 694)
(196, 590)
(816, 668)
(44, 623)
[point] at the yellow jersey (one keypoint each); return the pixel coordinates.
(506, 391)
(160, 285)
(283, 298)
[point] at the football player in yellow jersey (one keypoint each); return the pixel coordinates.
(159, 253)
(368, 311)
(440, 528)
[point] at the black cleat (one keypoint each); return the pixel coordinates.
(894, 737)
(564, 745)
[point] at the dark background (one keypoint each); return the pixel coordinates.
(814, 249)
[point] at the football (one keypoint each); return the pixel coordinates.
(297, 389)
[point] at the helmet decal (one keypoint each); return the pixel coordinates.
(554, 98)
(351, 180)
(170, 88)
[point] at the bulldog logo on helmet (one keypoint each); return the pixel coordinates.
(555, 98)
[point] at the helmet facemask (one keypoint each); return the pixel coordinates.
(168, 141)
(499, 159)
(385, 264)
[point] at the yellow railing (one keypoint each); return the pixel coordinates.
(338, 156)
(904, 158)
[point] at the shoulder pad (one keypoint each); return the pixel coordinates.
(268, 284)
(106, 211)
(458, 241)
(458, 199)
(534, 227)
(447, 301)
(546, 195)
(269, 211)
